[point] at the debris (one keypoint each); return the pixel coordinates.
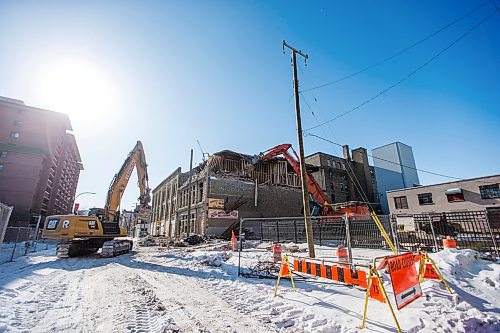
(216, 260)
(147, 241)
(194, 239)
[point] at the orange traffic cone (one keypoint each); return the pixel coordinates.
(234, 242)
(449, 243)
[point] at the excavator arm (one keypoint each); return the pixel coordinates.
(312, 185)
(115, 192)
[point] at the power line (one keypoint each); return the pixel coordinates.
(404, 50)
(382, 159)
(380, 93)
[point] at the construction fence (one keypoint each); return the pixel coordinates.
(22, 241)
(412, 232)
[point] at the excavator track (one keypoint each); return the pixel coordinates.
(78, 247)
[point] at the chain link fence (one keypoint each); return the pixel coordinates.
(22, 241)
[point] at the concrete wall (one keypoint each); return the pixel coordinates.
(472, 196)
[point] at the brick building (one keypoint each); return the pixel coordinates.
(229, 186)
(337, 175)
(39, 161)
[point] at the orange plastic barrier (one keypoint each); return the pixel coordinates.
(449, 243)
(340, 273)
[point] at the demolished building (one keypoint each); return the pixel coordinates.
(226, 187)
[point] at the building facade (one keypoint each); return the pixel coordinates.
(395, 168)
(346, 179)
(39, 161)
(229, 186)
(223, 189)
(465, 195)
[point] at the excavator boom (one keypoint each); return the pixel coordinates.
(115, 192)
(312, 185)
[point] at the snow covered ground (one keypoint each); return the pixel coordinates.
(175, 290)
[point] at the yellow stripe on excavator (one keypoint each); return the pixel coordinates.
(382, 231)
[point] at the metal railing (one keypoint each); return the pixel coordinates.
(413, 232)
(470, 230)
(326, 230)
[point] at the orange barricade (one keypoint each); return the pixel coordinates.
(341, 273)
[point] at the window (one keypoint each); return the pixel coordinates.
(401, 203)
(338, 165)
(18, 123)
(1, 167)
(489, 191)
(3, 154)
(455, 195)
(14, 135)
(425, 199)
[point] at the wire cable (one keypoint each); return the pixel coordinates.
(404, 50)
(399, 164)
(380, 93)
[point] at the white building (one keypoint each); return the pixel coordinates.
(394, 169)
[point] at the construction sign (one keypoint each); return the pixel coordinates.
(430, 272)
(376, 291)
(404, 278)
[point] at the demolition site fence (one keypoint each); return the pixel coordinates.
(412, 232)
(22, 241)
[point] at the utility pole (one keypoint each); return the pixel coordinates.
(189, 193)
(305, 192)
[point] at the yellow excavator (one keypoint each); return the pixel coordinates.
(82, 235)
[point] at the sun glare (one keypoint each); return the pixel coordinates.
(77, 87)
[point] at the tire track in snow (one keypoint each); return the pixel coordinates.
(198, 309)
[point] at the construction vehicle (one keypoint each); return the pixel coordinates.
(320, 200)
(82, 235)
(320, 204)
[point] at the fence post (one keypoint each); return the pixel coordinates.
(394, 231)
(433, 233)
(278, 230)
(491, 234)
(15, 245)
(261, 232)
(320, 233)
(36, 232)
(348, 237)
(295, 230)
(241, 246)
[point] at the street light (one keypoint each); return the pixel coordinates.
(75, 207)
(84, 193)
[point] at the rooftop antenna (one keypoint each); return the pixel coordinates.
(202, 152)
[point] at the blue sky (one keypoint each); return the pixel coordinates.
(169, 73)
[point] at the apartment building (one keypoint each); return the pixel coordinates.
(39, 161)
